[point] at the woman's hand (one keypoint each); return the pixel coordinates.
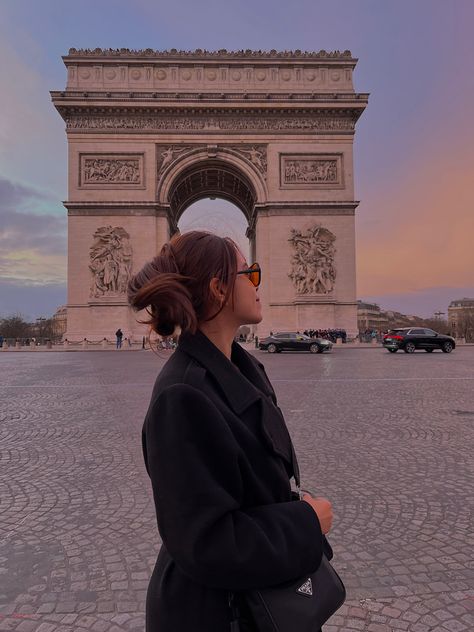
(323, 509)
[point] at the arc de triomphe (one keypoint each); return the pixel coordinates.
(151, 132)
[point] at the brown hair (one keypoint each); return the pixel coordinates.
(174, 286)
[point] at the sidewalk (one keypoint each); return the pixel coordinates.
(249, 346)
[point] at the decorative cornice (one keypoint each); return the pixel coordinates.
(99, 208)
(207, 54)
(63, 97)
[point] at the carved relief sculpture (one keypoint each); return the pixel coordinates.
(98, 170)
(256, 154)
(110, 261)
(313, 269)
(308, 171)
(204, 123)
(167, 155)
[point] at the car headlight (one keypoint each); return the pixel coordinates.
(325, 342)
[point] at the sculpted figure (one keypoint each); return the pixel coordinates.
(110, 261)
(313, 270)
(167, 156)
(256, 157)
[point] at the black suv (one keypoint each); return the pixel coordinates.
(412, 338)
(290, 341)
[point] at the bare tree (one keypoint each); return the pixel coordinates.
(439, 325)
(15, 326)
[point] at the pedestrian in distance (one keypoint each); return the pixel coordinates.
(119, 336)
(216, 447)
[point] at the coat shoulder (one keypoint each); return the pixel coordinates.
(179, 370)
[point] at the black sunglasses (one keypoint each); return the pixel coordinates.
(253, 273)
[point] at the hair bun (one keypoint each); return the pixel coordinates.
(164, 327)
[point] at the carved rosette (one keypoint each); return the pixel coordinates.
(313, 268)
(110, 262)
(111, 170)
(256, 154)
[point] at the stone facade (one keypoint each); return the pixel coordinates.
(151, 132)
(461, 318)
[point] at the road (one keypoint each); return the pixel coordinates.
(387, 437)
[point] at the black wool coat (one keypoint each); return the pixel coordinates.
(218, 453)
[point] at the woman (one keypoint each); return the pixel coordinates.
(216, 446)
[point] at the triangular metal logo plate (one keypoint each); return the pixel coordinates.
(306, 589)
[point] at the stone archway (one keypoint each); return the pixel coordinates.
(151, 132)
(196, 173)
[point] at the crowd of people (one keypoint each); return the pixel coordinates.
(327, 334)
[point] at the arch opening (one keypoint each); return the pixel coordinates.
(211, 179)
(218, 216)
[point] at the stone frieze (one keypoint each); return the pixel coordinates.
(203, 123)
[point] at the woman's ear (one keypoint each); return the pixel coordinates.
(217, 291)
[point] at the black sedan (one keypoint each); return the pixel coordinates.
(412, 338)
(289, 341)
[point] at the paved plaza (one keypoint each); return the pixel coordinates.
(388, 438)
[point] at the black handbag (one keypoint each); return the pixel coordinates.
(301, 605)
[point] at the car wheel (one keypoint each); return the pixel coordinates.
(314, 348)
(429, 350)
(447, 347)
(272, 348)
(392, 350)
(410, 347)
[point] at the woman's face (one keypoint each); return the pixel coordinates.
(244, 302)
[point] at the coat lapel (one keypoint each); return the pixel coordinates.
(244, 384)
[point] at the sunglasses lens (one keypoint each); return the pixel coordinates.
(255, 274)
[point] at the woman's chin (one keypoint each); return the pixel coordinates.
(257, 319)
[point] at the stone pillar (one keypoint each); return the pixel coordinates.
(285, 306)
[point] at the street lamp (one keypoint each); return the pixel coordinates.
(39, 322)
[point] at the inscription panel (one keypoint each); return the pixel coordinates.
(311, 171)
(116, 171)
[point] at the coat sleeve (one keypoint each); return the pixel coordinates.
(193, 461)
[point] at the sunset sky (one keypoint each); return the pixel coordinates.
(414, 146)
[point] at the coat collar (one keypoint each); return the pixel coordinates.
(241, 380)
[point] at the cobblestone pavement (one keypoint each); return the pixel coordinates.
(388, 438)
